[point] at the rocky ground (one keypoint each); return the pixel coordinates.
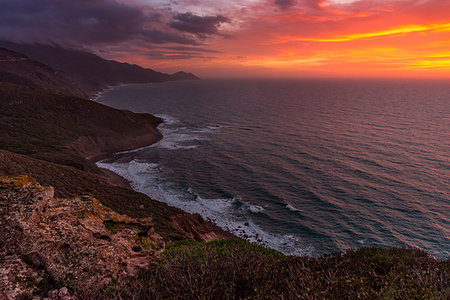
(47, 241)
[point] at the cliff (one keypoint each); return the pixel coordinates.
(47, 242)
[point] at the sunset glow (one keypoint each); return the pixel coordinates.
(260, 38)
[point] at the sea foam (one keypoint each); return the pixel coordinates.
(224, 212)
(231, 214)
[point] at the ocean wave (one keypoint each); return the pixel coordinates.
(176, 141)
(226, 213)
(178, 137)
(134, 171)
(255, 208)
(291, 208)
(210, 129)
(168, 119)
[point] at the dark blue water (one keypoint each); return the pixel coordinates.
(303, 166)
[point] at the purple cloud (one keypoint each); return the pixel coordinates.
(198, 25)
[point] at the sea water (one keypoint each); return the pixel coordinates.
(306, 167)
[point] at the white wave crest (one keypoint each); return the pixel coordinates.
(226, 213)
(291, 208)
(255, 208)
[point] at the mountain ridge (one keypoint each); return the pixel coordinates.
(20, 69)
(90, 71)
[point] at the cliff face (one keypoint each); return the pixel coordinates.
(74, 241)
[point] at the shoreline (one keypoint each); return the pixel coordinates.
(95, 95)
(110, 176)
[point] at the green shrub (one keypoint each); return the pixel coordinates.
(230, 269)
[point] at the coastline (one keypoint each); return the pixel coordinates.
(113, 177)
(110, 176)
(95, 95)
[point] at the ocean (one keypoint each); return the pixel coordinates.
(306, 167)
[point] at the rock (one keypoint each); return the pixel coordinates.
(58, 240)
(196, 228)
(53, 294)
(63, 292)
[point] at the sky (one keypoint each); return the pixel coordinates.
(247, 38)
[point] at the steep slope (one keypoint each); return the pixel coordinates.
(91, 71)
(171, 223)
(19, 69)
(68, 129)
(58, 247)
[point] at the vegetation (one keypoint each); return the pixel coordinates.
(65, 129)
(229, 269)
(19, 69)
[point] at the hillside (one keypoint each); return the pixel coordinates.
(171, 223)
(90, 71)
(19, 69)
(66, 129)
(58, 247)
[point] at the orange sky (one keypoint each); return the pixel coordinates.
(309, 38)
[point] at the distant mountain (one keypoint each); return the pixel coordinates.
(184, 76)
(20, 69)
(90, 71)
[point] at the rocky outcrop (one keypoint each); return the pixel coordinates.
(48, 243)
(196, 228)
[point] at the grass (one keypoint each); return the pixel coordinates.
(78, 214)
(235, 269)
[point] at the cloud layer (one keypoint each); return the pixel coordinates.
(246, 37)
(90, 22)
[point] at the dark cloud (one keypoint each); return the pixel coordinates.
(174, 55)
(85, 22)
(198, 25)
(193, 49)
(160, 37)
(305, 4)
(285, 3)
